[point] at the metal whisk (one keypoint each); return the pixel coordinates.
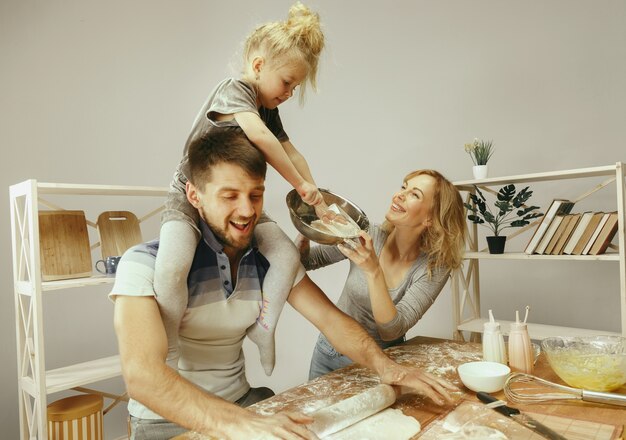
(525, 388)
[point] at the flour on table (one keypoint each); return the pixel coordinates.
(390, 423)
(474, 433)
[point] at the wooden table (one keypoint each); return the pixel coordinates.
(437, 356)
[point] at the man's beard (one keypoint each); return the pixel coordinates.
(222, 235)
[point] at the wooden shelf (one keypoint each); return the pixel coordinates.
(539, 177)
(466, 280)
(536, 331)
(612, 256)
(34, 383)
(26, 288)
(76, 375)
(100, 190)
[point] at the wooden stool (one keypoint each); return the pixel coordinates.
(76, 418)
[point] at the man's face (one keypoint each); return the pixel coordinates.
(231, 204)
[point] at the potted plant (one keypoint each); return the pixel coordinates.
(511, 213)
(480, 151)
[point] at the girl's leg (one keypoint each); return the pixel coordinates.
(285, 271)
(177, 247)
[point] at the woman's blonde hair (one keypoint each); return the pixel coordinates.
(299, 38)
(444, 240)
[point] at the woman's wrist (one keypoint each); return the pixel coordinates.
(374, 273)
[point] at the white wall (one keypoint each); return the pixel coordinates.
(104, 92)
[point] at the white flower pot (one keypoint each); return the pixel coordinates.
(480, 171)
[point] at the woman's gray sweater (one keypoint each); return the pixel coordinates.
(415, 294)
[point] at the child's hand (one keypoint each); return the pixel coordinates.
(327, 216)
(310, 194)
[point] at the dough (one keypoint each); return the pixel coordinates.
(347, 412)
(387, 424)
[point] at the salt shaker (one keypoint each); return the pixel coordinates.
(493, 341)
(520, 348)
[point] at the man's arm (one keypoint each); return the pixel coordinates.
(143, 350)
(350, 339)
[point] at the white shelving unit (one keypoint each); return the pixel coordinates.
(35, 383)
(466, 281)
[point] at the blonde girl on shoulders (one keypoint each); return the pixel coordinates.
(279, 59)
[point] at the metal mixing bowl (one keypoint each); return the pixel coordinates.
(302, 215)
(596, 363)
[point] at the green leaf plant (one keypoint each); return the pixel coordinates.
(511, 210)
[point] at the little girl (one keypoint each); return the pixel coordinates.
(278, 57)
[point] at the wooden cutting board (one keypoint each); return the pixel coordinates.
(478, 415)
(64, 245)
(118, 231)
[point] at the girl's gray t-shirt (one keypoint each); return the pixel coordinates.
(228, 97)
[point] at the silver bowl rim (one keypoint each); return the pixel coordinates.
(324, 234)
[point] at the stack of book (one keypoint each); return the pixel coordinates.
(561, 232)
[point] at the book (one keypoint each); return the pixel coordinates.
(567, 233)
(557, 234)
(545, 240)
(558, 206)
(595, 234)
(589, 230)
(577, 232)
(606, 235)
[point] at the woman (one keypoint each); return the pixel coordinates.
(399, 268)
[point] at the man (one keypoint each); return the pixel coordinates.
(225, 301)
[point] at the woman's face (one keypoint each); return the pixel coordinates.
(412, 205)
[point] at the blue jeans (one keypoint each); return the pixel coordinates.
(161, 429)
(326, 359)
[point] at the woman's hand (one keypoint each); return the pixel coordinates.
(361, 252)
(423, 383)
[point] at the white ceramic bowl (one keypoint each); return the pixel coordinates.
(483, 376)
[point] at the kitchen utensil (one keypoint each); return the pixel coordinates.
(64, 245)
(537, 390)
(483, 375)
(596, 363)
(521, 418)
(302, 215)
(118, 231)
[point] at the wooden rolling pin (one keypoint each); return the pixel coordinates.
(347, 412)
(339, 415)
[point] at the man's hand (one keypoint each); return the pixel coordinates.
(426, 384)
(283, 425)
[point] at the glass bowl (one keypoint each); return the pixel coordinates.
(596, 363)
(302, 215)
